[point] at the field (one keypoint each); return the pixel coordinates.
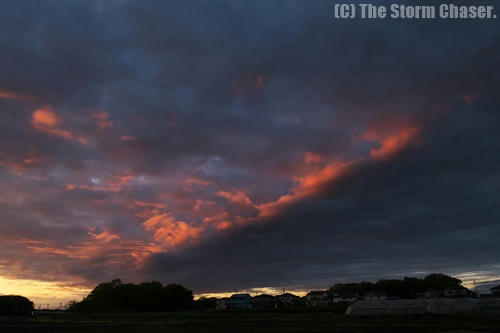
(269, 321)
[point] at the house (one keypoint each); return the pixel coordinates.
(317, 298)
(375, 296)
(458, 292)
(347, 297)
(288, 300)
(239, 301)
(495, 291)
(264, 301)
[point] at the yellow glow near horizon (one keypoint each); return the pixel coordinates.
(42, 293)
(254, 292)
(56, 293)
(473, 279)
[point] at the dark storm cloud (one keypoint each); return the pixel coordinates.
(194, 114)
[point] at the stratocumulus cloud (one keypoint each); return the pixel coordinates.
(252, 144)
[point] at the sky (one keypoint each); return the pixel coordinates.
(243, 145)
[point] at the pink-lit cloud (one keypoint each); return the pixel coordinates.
(236, 196)
(8, 94)
(305, 186)
(113, 183)
(47, 121)
(392, 143)
(312, 158)
(106, 235)
(170, 232)
(127, 138)
(102, 120)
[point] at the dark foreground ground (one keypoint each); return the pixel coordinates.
(270, 321)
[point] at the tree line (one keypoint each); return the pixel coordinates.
(408, 287)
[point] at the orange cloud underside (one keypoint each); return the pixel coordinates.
(171, 232)
(392, 143)
(306, 186)
(44, 118)
(47, 121)
(236, 196)
(323, 171)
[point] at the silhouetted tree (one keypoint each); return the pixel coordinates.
(15, 306)
(441, 281)
(116, 296)
(360, 288)
(178, 297)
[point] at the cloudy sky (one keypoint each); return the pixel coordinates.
(243, 144)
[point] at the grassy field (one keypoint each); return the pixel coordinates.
(269, 321)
